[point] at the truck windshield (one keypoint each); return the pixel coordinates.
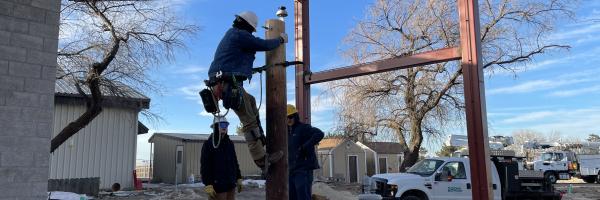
(425, 167)
(552, 156)
(546, 157)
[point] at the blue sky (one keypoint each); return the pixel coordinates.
(556, 92)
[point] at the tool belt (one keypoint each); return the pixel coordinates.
(227, 88)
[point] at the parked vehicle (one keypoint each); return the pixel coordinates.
(450, 178)
(589, 168)
(557, 165)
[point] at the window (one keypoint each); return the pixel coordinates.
(425, 167)
(456, 170)
(383, 165)
(179, 156)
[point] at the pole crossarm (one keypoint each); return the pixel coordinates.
(390, 64)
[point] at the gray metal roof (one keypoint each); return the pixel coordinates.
(194, 137)
(386, 147)
(66, 87)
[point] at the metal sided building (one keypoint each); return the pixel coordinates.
(341, 160)
(176, 157)
(383, 157)
(106, 147)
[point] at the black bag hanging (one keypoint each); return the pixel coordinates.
(208, 99)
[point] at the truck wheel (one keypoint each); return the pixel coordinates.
(589, 179)
(551, 177)
(598, 178)
(410, 197)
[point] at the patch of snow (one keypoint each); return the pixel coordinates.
(256, 183)
(58, 195)
(331, 194)
(191, 185)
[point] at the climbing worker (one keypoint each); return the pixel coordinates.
(232, 65)
(219, 165)
(302, 158)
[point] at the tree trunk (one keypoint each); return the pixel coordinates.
(411, 156)
(93, 109)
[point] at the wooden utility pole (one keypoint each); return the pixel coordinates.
(277, 176)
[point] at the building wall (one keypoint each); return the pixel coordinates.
(370, 162)
(164, 161)
(340, 160)
(28, 46)
(105, 148)
(393, 162)
(325, 165)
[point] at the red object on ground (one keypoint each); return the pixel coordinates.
(137, 183)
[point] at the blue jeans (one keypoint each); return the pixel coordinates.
(300, 185)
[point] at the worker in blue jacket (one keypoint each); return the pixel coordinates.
(302, 158)
(232, 65)
(219, 166)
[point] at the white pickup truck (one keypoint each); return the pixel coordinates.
(450, 178)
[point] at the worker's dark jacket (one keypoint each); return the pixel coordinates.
(219, 167)
(302, 139)
(235, 53)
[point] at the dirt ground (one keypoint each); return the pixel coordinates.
(331, 191)
(250, 192)
(580, 190)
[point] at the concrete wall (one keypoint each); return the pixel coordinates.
(105, 148)
(28, 46)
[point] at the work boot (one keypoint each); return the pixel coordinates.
(273, 158)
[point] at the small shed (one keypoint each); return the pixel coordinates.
(105, 148)
(180, 152)
(341, 160)
(383, 157)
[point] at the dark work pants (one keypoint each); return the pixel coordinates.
(300, 185)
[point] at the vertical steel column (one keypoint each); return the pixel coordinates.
(277, 176)
(470, 43)
(302, 42)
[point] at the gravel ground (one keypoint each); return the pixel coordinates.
(580, 191)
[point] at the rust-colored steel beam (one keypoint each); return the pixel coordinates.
(425, 58)
(302, 42)
(470, 42)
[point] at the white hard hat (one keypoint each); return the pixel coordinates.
(250, 17)
(218, 119)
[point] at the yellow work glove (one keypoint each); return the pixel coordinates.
(239, 185)
(210, 191)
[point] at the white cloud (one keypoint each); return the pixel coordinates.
(575, 92)
(540, 85)
(532, 86)
(582, 30)
(528, 117)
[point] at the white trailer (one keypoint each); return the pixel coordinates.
(589, 168)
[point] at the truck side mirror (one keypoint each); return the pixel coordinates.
(438, 176)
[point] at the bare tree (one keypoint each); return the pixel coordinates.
(593, 138)
(105, 44)
(420, 102)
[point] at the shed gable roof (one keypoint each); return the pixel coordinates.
(66, 89)
(329, 143)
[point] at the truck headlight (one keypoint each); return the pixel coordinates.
(393, 189)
